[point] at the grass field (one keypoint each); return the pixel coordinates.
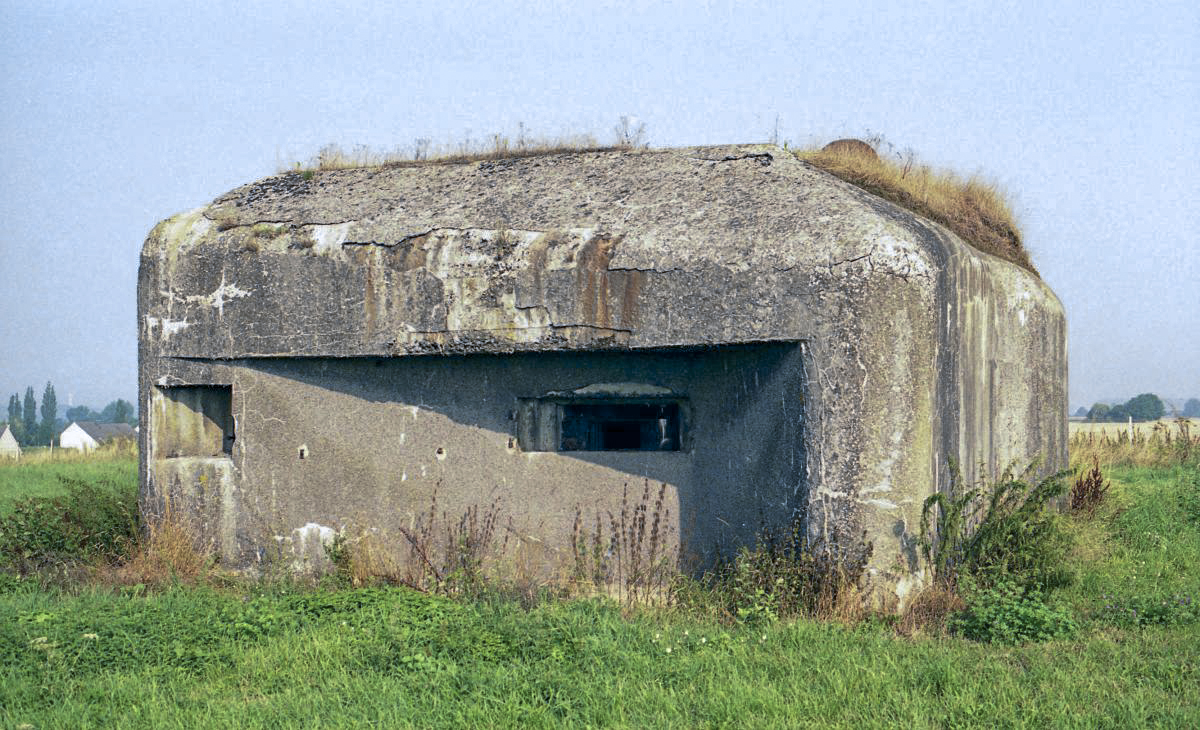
(276, 654)
(42, 475)
(1146, 428)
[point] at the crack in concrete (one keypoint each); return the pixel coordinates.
(228, 225)
(833, 264)
(649, 270)
(406, 238)
(551, 326)
(870, 259)
(764, 158)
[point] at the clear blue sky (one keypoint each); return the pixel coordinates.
(116, 115)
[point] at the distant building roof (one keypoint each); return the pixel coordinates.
(105, 431)
(8, 442)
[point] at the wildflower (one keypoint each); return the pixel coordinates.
(90, 636)
(703, 640)
(668, 650)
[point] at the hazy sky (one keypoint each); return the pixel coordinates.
(116, 115)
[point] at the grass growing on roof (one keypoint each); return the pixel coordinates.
(972, 207)
(496, 147)
(628, 134)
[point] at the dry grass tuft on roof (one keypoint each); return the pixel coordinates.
(628, 134)
(333, 157)
(974, 209)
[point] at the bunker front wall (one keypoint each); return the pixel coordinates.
(833, 352)
(354, 444)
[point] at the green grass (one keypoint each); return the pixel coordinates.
(275, 655)
(393, 657)
(1139, 558)
(19, 480)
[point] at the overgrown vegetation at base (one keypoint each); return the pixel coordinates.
(439, 553)
(1000, 548)
(91, 521)
(973, 208)
(1117, 647)
(1008, 612)
(784, 576)
(632, 557)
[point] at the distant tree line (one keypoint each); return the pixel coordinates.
(1144, 407)
(30, 430)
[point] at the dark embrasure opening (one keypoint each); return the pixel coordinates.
(620, 427)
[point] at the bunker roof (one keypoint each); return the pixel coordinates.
(648, 248)
(734, 206)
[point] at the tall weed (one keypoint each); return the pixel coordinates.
(998, 530)
(1158, 445)
(1089, 490)
(437, 553)
(631, 558)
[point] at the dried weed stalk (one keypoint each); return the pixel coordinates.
(631, 558)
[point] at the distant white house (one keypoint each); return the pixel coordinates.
(87, 435)
(9, 448)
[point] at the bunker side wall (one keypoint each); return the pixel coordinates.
(1003, 376)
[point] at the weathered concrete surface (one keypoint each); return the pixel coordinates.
(834, 349)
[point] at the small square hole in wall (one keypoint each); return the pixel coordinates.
(194, 420)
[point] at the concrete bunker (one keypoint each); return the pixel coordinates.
(763, 339)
